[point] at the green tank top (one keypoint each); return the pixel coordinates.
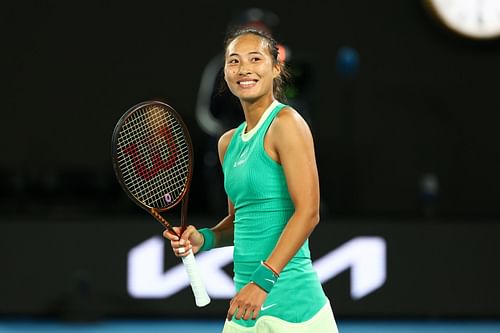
(256, 185)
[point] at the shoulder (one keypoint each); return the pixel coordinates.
(224, 142)
(289, 122)
(288, 113)
(226, 138)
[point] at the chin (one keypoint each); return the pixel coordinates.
(248, 95)
(248, 98)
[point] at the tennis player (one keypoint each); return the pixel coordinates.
(271, 179)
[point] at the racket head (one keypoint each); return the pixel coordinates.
(152, 155)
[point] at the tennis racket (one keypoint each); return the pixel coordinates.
(153, 160)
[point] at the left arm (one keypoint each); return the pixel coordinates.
(293, 143)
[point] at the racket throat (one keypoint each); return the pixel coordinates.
(184, 212)
(164, 222)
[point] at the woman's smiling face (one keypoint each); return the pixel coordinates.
(249, 68)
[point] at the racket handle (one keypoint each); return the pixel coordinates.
(199, 291)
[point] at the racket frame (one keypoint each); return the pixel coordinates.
(184, 196)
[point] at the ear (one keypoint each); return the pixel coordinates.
(277, 69)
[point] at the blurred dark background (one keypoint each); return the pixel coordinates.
(404, 113)
(417, 103)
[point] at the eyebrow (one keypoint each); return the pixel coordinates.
(253, 52)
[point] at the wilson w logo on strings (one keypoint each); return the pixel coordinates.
(157, 161)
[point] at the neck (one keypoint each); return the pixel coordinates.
(253, 110)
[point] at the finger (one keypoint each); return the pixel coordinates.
(248, 313)
(176, 245)
(182, 251)
(255, 313)
(185, 244)
(231, 311)
(177, 230)
(169, 235)
(172, 233)
(188, 232)
(242, 310)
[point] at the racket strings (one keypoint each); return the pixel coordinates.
(155, 164)
(175, 174)
(154, 156)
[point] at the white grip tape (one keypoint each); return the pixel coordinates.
(199, 291)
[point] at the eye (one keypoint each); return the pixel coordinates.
(255, 59)
(232, 61)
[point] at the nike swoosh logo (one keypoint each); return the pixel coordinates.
(269, 280)
(263, 308)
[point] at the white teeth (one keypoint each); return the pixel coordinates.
(246, 83)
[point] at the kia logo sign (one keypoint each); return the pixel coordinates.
(365, 256)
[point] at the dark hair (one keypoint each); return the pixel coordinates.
(272, 46)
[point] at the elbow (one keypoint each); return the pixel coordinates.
(312, 219)
(309, 216)
(315, 219)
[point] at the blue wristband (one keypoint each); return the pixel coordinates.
(209, 239)
(264, 278)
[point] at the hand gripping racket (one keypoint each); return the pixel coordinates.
(153, 161)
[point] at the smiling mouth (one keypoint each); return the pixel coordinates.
(247, 83)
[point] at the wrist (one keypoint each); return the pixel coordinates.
(271, 268)
(264, 277)
(208, 239)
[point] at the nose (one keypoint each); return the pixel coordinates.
(243, 69)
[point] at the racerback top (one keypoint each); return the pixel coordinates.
(257, 187)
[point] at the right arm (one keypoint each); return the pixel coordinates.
(223, 231)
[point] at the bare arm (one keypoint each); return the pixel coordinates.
(224, 230)
(290, 142)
